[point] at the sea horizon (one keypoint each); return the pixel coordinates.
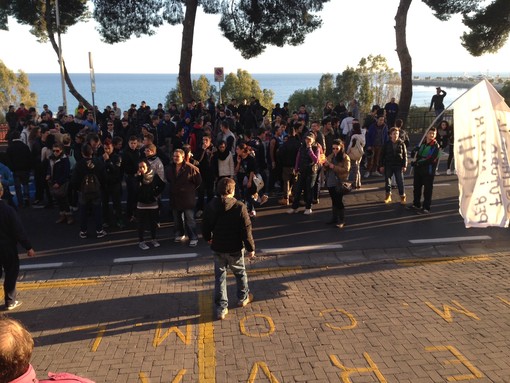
(132, 88)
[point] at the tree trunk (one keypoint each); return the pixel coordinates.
(187, 49)
(70, 85)
(406, 64)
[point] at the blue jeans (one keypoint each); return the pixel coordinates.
(399, 178)
(235, 261)
(184, 223)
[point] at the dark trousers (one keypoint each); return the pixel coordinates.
(205, 190)
(337, 199)
(113, 193)
(131, 195)
(21, 178)
(9, 263)
(147, 219)
(85, 207)
(425, 181)
(304, 184)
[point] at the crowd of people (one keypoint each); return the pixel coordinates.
(87, 161)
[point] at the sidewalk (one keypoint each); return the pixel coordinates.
(203, 266)
(420, 315)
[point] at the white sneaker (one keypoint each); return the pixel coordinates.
(179, 238)
(366, 175)
(155, 243)
(376, 173)
(193, 242)
(253, 213)
(143, 246)
(307, 212)
(292, 211)
(448, 172)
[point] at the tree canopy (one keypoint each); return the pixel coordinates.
(15, 88)
(242, 86)
(372, 81)
(250, 25)
(42, 18)
(488, 22)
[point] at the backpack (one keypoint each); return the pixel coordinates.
(90, 187)
(356, 151)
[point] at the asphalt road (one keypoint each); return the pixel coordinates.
(370, 224)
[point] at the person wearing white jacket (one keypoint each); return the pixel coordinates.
(355, 151)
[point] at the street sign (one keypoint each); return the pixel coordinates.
(219, 76)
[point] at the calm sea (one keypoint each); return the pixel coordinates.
(127, 89)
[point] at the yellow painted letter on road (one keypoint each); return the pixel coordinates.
(158, 338)
(459, 359)
(177, 379)
(504, 301)
(446, 314)
(101, 329)
(351, 318)
(265, 370)
(348, 371)
(270, 326)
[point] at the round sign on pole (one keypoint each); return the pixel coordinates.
(218, 74)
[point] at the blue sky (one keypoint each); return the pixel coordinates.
(350, 31)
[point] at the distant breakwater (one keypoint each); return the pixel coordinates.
(452, 83)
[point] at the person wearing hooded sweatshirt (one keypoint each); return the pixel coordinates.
(226, 225)
(149, 187)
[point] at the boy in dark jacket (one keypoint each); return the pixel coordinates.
(226, 225)
(394, 163)
(88, 177)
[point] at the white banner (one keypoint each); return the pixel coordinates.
(482, 145)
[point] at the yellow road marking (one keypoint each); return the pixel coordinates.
(269, 321)
(206, 348)
(353, 324)
(416, 261)
(52, 284)
(159, 337)
(459, 359)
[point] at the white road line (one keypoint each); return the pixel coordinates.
(42, 266)
(300, 248)
(451, 239)
(155, 257)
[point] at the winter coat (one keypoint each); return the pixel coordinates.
(226, 222)
(183, 186)
(394, 155)
(20, 157)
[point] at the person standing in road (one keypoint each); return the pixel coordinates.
(12, 232)
(424, 171)
(226, 225)
(393, 163)
(184, 179)
(88, 178)
(437, 101)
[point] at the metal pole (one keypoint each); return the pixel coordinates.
(92, 84)
(60, 59)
